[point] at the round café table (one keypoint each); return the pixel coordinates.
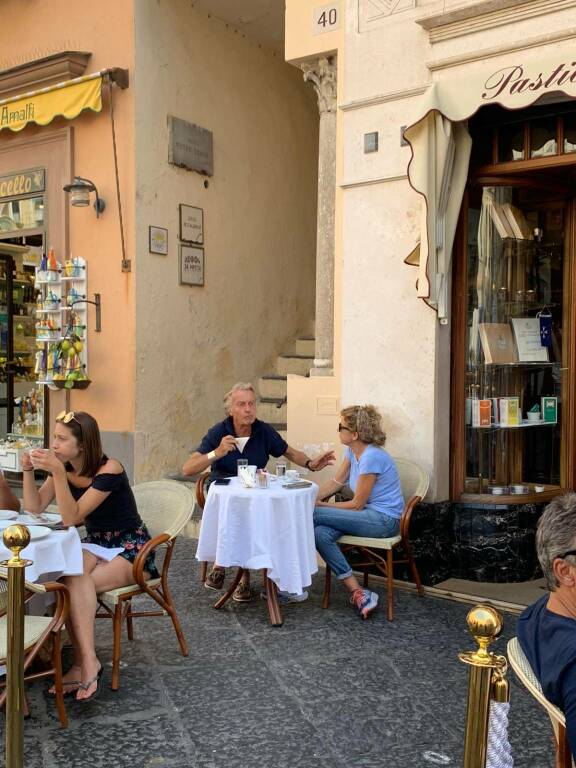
(270, 529)
(58, 554)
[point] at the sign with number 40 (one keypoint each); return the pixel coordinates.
(325, 18)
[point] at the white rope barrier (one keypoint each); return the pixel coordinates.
(499, 753)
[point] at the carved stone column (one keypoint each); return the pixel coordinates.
(322, 75)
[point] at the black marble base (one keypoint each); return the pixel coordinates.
(475, 542)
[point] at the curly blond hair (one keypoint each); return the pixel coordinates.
(366, 420)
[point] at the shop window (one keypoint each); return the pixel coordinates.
(543, 141)
(514, 345)
(570, 133)
(511, 142)
(26, 213)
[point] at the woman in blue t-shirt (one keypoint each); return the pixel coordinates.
(376, 507)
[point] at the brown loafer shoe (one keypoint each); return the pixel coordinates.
(242, 593)
(215, 579)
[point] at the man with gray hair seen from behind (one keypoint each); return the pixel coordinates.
(547, 628)
(218, 451)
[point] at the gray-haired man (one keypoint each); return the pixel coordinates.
(218, 450)
(547, 628)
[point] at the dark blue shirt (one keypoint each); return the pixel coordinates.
(549, 643)
(264, 442)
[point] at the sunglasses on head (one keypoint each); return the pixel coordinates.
(66, 418)
(342, 427)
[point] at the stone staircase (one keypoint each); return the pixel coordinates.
(273, 386)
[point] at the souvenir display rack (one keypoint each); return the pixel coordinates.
(61, 356)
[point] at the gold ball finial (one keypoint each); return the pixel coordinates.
(16, 538)
(485, 624)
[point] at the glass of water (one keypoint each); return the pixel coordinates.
(280, 469)
(239, 464)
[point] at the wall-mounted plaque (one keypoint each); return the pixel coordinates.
(190, 146)
(191, 265)
(158, 240)
(191, 224)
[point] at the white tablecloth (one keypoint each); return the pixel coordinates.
(58, 554)
(261, 528)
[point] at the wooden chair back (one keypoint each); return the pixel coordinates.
(200, 489)
(415, 482)
(164, 505)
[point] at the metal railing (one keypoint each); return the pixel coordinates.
(16, 538)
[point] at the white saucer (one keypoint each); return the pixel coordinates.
(27, 519)
(51, 517)
(38, 532)
(8, 514)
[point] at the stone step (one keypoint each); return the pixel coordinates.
(272, 386)
(298, 364)
(268, 409)
(305, 345)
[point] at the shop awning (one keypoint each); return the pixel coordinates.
(67, 99)
(441, 147)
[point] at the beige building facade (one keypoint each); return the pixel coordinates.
(395, 326)
(167, 350)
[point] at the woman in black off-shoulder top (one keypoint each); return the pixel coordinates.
(94, 491)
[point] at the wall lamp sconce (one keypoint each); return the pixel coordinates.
(80, 194)
(98, 304)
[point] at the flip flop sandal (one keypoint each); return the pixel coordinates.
(85, 686)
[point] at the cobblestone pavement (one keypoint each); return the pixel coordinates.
(324, 691)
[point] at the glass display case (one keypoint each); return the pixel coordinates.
(515, 344)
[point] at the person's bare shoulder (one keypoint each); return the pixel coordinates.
(112, 467)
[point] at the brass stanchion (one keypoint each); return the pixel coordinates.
(16, 538)
(485, 624)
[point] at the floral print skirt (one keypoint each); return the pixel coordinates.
(131, 540)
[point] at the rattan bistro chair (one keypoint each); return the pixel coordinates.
(414, 481)
(165, 506)
(525, 674)
(200, 490)
(38, 631)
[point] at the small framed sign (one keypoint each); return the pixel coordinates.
(158, 240)
(191, 224)
(191, 265)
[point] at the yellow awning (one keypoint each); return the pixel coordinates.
(66, 99)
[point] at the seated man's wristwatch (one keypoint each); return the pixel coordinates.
(307, 465)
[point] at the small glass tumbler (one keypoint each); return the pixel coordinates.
(240, 464)
(280, 468)
(262, 479)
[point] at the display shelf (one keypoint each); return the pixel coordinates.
(74, 279)
(524, 423)
(527, 364)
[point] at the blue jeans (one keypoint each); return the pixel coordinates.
(330, 523)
